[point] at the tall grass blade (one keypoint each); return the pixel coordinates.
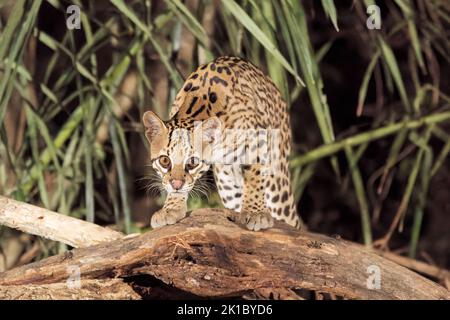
(253, 28)
(122, 177)
(392, 64)
(360, 194)
(330, 10)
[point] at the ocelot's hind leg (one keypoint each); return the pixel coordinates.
(229, 183)
(280, 198)
(255, 214)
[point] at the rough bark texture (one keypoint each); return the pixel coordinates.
(51, 225)
(114, 289)
(208, 255)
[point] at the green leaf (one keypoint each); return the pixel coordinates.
(186, 17)
(12, 43)
(365, 82)
(360, 194)
(121, 175)
(296, 20)
(408, 12)
(330, 10)
(123, 8)
(391, 62)
(256, 31)
(421, 195)
(7, 36)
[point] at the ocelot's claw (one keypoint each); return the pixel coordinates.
(166, 216)
(256, 221)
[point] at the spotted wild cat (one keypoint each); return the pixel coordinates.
(230, 116)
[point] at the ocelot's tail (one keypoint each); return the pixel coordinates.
(298, 222)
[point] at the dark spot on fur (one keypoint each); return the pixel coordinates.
(219, 80)
(194, 100)
(213, 97)
(200, 110)
(188, 87)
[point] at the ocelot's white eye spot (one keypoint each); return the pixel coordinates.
(192, 163)
(164, 161)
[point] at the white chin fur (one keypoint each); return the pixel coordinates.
(171, 190)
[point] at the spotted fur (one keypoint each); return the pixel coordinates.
(228, 94)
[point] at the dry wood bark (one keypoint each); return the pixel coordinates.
(208, 255)
(419, 266)
(114, 289)
(51, 225)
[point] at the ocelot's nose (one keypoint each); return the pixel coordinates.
(177, 184)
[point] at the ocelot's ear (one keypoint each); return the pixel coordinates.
(211, 129)
(154, 126)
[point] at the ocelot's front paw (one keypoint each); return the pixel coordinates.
(256, 221)
(167, 216)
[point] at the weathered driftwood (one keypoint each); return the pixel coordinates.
(51, 225)
(208, 255)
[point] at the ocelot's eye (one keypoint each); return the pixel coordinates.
(192, 163)
(164, 161)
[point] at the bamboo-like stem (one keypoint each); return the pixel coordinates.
(332, 148)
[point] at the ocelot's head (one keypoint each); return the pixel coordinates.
(180, 150)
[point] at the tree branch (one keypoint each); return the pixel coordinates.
(51, 225)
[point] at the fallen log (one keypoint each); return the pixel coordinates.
(208, 255)
(114, 289)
